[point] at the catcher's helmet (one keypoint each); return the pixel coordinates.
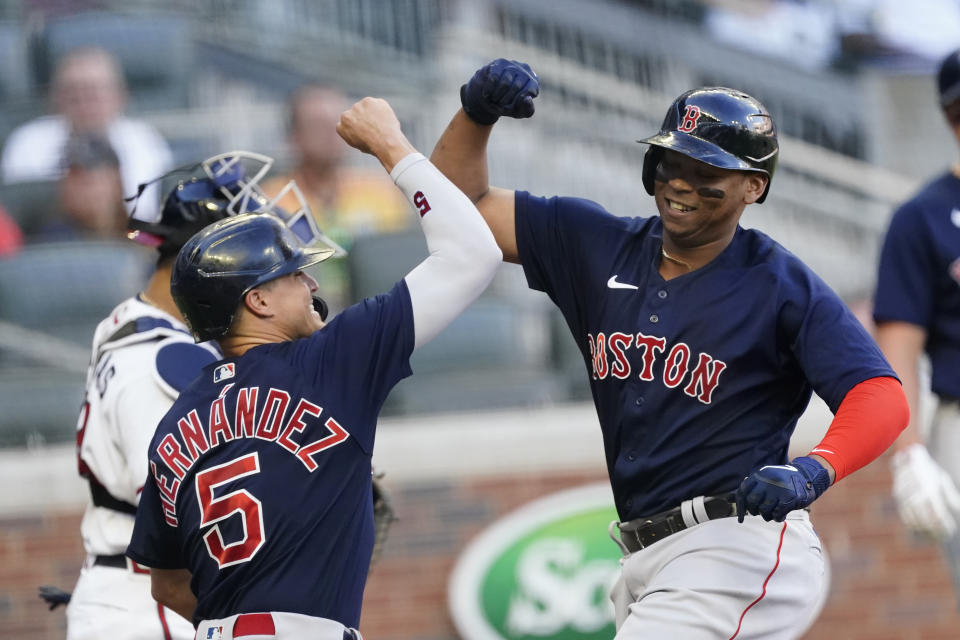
(224, 185)
(218, 266)
(722, 127)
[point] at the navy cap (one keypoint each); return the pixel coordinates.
(948, 79)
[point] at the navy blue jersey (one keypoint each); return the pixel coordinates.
(919, 276)
(260, 478)
(697, 380)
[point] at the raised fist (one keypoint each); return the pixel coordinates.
(500, 88)
(367, 123)
(774, 491)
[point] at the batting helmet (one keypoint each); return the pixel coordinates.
(722, 127)
(218, 266)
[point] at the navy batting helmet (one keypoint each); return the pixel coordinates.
(218, 266)
(722, 127)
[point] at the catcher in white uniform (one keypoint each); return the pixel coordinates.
(143, 355)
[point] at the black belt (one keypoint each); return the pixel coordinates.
(117, 561)
(642, 532)
(102, 498)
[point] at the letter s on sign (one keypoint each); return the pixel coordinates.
(420, 202)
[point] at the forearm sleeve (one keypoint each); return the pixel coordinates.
(463, 253)
(871, 416)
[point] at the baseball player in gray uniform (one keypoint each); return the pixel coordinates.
(703, 343)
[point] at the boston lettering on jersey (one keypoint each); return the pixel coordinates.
(609, 356)
(226, 423)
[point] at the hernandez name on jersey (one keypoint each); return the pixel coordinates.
(261, 470)
(239, 419)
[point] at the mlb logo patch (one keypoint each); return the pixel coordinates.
(214, 633)
(224, 372)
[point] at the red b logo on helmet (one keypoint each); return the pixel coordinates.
(690, 119)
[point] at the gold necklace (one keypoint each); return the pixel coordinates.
(143, 296)
(669, 257)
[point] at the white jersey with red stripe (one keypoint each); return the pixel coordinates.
(141, 358)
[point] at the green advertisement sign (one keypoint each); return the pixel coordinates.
(543, 572)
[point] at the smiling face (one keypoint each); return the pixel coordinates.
(291, 302)
(700, 204)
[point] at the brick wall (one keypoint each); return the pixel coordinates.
(884, 585)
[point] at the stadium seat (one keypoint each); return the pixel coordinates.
(468, 389)
(40, 405)
(566, 359)
(154, 50)
(15, 82)
(497, 353)
(377, 261)
(66, 288)
(62, 290)
(31, 204)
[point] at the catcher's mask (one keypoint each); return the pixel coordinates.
(223, 185)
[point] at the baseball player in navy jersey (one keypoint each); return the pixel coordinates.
(917, 310)
(703, 342)
(143, 355)
(257, 517)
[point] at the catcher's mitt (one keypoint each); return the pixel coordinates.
(383, 516)
(53, 596)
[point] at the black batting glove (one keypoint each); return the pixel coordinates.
(774, 491)
(500, 88)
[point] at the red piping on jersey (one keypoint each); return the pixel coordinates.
(763, 592)
(163, 622)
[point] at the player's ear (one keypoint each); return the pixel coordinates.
(756, 183)
(257, 302)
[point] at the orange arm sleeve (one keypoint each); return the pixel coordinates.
(871, 416)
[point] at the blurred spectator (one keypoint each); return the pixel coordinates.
(88, 96)
(346, 201)
(90, 192)
(897, 33)
(801, 33)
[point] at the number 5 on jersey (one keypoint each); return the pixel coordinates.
(213, 510)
